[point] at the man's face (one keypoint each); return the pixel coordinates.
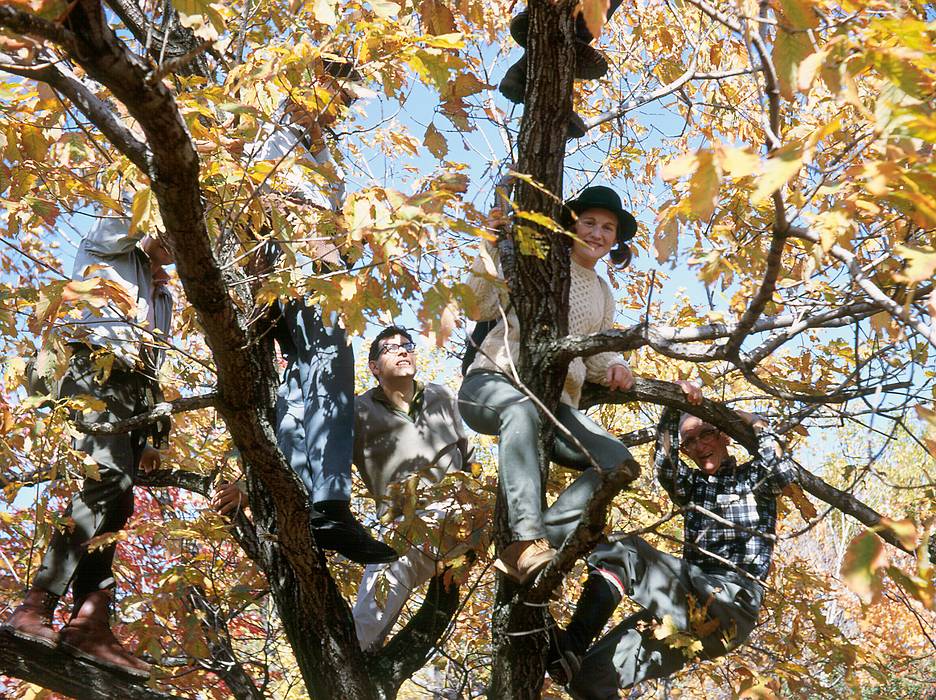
(704, 444)
(396, 359)
(157, 251)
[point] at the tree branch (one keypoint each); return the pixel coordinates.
(223, 662)
(729, 422)
(65, 674)
(412, 646)
(160, 410)
(877, 295)
(582, 540)
(28, 24)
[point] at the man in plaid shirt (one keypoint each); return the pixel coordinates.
(709, 600)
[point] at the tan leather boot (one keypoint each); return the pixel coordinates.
(31, 621)
(522, 560)
(88, 636)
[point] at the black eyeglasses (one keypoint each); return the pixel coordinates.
(396, 347)
(705, 434)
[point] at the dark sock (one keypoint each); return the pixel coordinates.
(595, 607)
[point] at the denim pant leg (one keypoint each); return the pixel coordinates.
(315, 406)
(105, 504)
(605, 449)
(662, 584)
(491, 405)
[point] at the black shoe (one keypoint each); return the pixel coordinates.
(575, 129)
(561, 662)
(514, 83)
(590, 63)
(340, 532)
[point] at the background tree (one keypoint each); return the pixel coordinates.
(798, 187)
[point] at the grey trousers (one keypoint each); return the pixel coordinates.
(663, 585)
(103, 505)
(492, 405)
(315, 402)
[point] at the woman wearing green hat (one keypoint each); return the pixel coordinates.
(491, 403)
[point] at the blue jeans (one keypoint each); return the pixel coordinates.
(315, 402)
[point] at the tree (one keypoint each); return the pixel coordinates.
(801, 184)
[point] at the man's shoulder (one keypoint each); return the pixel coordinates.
(438, 392)
(365, 400)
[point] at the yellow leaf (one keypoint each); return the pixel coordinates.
(435, 142)
(788, 52)
(920, 263)
(665, 240)
(467, 84)
(808, 69)
(142, 201)
(679, 167)
(324, 12)
(737, 162)
(348, 288)
(799, 14)
(904, 530)
(864, 557)
(384, 8)
(703, 187)
(437, 17)
(595, 14)
(778, 170)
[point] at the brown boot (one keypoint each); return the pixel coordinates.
(522, 560)
(31, 621)
(88, 636)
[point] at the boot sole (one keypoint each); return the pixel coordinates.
(98, 661)
(26, 637)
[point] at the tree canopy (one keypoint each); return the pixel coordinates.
(779, 158)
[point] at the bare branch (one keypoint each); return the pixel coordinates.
(27, 24)
(864, 282)
(223, 662)
(160, 410)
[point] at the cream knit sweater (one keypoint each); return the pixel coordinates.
(591, 309)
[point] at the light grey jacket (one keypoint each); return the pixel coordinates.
(390, 446)
(109, 252)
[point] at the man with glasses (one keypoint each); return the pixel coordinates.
(711, 597)
(408, 437)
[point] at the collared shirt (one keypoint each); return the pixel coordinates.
(391, 445)
(137, 336)
(745, 495)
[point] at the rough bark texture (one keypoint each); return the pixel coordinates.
(539, 291)
(63, 673)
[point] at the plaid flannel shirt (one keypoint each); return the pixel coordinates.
(745, 495)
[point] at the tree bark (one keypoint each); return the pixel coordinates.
(539, 292)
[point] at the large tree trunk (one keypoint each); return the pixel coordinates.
(539, 290)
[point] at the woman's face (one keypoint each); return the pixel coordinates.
(596, 231)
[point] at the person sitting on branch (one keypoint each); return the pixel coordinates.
(115, 358)
(713, 593)
(493, 404)
(408, 444)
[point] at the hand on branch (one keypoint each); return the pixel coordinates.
(150, 460)
(692, 391)
(228, 498)
(620, 378)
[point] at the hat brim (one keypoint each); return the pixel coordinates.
(627, 224)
